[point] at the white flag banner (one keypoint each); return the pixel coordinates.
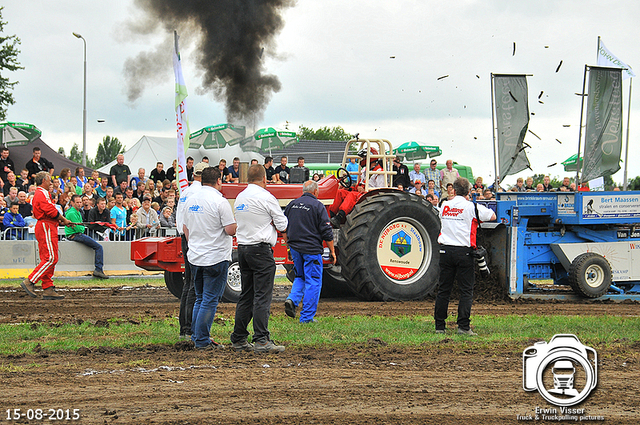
(596, 185)
(182, 119)
(609, 60)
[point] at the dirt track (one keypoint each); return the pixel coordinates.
(443, 383)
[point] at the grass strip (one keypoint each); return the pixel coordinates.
(600, 331)
(113, 282)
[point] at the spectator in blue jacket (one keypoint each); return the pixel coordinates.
(308, 226)
(3, 211)
(13, 219)
(352, 167)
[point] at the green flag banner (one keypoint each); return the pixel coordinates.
(512, 119)
(603, 141)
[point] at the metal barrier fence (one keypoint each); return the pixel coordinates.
(28, 233)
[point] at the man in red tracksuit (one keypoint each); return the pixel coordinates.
(48, 217)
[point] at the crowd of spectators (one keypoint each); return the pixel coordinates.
(281, 174)
(436, 185)
(137, 206)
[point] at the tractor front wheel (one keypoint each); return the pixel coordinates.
(175, 282)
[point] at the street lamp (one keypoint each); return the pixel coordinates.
(84, 105)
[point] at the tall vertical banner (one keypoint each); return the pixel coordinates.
(512, 121)
(603, 140)
(182, 119)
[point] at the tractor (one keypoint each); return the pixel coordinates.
(386, 249)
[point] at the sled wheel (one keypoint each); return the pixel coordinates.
(590, 275)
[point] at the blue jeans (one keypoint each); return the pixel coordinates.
(307, 284)
(86, 240)
(209, 282)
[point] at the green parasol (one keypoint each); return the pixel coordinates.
(268, 139)
(571, 163)
(414, 150)
(217, 136)
(18, 133)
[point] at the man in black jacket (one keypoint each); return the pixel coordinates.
(37, 164)
(402, 174)
(158, 174)
(99, 213)
(308, 227)
(6, 165)
(26, 210)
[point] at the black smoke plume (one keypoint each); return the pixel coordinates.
(231, 37)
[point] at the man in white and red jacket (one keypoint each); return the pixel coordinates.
(48, 217)
(457, 242)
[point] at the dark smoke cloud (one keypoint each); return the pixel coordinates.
(148, 68)
(231, 36)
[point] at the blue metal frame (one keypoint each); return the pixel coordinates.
(534, 221)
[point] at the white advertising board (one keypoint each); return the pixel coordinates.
(611, 206)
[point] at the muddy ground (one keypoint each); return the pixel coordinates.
(373, 383)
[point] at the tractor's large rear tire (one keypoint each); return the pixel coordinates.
(333, 284)
(175, 282)
(388, 247)
(590, 275)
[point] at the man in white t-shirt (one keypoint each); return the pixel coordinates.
(259, 218)
(457, 241)
(209, 226)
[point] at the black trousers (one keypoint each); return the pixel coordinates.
(257, 270)
(457, 263)
(188, 297)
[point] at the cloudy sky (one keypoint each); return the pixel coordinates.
(370, 66)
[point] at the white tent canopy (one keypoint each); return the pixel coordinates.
(148, 151)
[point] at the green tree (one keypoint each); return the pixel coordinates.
(634, 184)
(61, 151)
(609, 184)
(108, 149)
(76, 156)
(324, 133)
(9, 62)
